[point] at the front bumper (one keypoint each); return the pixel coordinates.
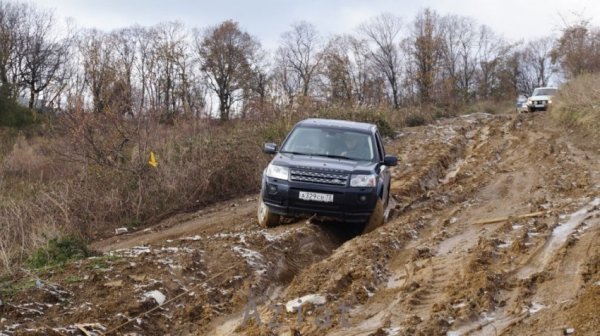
(349, 204)
(539, 105)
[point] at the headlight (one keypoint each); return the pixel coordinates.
(363, 180)
(278, 172)
(550, 101)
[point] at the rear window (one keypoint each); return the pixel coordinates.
(330, 142)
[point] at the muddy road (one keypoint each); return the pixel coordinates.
(495, 230)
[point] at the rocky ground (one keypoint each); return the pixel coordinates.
(494, 231)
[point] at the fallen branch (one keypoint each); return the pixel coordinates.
(504, 219)
(83, 327)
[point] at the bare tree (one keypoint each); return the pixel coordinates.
(536, 66)
(337, 71)
(12, 21)
(425, 49)
(170, 50)
(258, 86)
(97, 67)
(226, 53)
(384, 32)
(491, 50)
(43, 54)
(300, 55)
(578, 49)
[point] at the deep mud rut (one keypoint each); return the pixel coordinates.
(456, 257)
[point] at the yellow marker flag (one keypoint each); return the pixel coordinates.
(152, 162)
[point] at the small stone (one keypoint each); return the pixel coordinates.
(569, 331)
(157, 296)
(120, 231)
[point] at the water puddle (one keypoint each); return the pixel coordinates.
(559, 236)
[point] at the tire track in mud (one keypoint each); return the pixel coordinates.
(428, 271)
(527, 256)
(426, 164)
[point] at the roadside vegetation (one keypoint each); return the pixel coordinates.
(578, 106)
(81, 112)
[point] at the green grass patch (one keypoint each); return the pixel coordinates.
(15, 115)
(59, 251)
(102, 262)
(11, 287)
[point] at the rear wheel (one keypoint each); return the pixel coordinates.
(266, 218)
(377, 217)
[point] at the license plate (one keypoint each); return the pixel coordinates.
(316, 197)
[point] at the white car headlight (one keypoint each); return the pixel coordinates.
(363, 180)
(278, 172)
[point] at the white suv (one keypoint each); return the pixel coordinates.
(541, 99)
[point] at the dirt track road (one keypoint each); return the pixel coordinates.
(455, 258)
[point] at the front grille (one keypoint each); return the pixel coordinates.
(332, 177)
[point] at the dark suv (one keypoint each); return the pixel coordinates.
(329, 168)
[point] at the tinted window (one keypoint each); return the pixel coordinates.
(544, 92)
(327, 141)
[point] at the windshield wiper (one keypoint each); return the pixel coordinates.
(294, 153)
(335, 156)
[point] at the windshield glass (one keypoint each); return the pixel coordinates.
(330, 142)
(544, 92)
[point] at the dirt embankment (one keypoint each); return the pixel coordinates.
(455, 258)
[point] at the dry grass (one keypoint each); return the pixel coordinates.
(577, 105)
(90, 174)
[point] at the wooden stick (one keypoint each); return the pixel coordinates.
(503, 219)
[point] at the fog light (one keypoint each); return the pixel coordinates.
(272, 189)
(363, 198)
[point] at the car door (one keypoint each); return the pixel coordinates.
(384, 171)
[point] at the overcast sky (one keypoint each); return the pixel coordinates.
(268, 19)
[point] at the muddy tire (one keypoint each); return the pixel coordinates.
(377, 217)
(266, 218)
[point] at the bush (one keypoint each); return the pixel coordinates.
(577, 105)
(415, 120)
(15, 115)
(58, 251)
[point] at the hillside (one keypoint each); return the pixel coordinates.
(494, 232)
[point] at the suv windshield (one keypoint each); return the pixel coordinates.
(344, 144)
(544, 92)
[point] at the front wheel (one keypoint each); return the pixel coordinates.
(266, 218)
(377, 217)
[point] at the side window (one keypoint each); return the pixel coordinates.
(380, 148)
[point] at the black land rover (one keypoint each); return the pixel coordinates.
(329, 168)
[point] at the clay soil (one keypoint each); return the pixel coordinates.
(494, 230)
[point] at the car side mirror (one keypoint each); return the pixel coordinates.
(270, 148)
(390, 160)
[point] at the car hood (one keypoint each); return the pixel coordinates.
(323, 163)
(540, 97)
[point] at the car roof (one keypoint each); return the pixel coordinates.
(333, 123)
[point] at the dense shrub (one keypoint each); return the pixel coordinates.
(59, 251)
(15, 115)
(415, 120)
(577, 105)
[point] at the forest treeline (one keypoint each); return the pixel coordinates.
(171, 70)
